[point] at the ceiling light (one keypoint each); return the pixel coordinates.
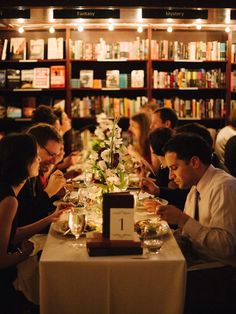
(111, 27)
(21, 30)
(198, 27)
(140, 29)
(51, 30)
(227, 29)
(169, 29)
(80, 28)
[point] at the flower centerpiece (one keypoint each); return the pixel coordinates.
(109, 160)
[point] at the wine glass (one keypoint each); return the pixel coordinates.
(88, 177)
(76, 224)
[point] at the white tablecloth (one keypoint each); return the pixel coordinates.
(71, 282)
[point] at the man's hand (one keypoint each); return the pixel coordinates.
(148, 185)
(55, 183)
(172, 215)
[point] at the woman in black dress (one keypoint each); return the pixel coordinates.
(18, 161)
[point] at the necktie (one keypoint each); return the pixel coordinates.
(196, 210)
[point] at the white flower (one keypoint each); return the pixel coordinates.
(106, 155)
(102, 165)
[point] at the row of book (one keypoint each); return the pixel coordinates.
(114, 79)
(113, 107)
(47, 77)
(17, 48)
(82, 50)
(198, 50)
(196, 108)
(186, 78)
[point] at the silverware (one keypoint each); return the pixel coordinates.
(66, 232)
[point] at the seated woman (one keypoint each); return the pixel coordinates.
(139, 128)
(18, 161)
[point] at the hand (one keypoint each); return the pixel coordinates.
(148, 185)
(55, 183)
(27, 247)
(59, 210)
(150, 205)
(172, 214)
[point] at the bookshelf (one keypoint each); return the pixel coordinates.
(192, 71)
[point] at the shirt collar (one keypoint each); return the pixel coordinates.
(205, 179)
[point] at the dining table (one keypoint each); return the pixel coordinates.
(72, 282)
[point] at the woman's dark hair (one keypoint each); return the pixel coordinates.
(44, 114)
(58, 113)
(158, 138)
(188, 145)
(17, 152)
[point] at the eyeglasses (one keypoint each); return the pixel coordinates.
(53, 155)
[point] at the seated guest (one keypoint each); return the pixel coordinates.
(61, 122)
(162, 118)
(224, 135)
(162, 186)
(202, 131)
(209, 217)
(230, 155)
(37, 196)
(19, 161)
(139, 128)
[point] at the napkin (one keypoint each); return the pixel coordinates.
(27, 280)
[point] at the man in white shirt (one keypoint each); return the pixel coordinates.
(224, 135)
(209, 222)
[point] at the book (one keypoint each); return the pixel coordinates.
(4, 49)
(41, 78)
(27, 77)
(13, 78)
(137, 78)
(36, 49)
(86, 78)
(14, 112)
(18, 48)
(112, 78)
(2, 78)
(57, 76)
(55, 48)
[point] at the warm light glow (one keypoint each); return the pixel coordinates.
(21, 30)
(227, 29)
(139, 15)
(50, 15)
(140, 29)
(169, 29)
(51, 29)
(80, 28)
(20, 20)
(227, 16)
(111, 27)
(198, 27)
(169, 20)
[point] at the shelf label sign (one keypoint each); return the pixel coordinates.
(174, 14)
(14, 14)
(86, 14)
(233, 14)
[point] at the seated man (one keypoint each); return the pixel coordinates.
(209, 217)
(37, 196)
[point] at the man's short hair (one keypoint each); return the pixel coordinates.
(44, 132)
(188, 145)
(167, 114)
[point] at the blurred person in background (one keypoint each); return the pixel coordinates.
(139, 127)
(224, 135)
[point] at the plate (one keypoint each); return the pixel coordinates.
(148, 228)
(61, 227)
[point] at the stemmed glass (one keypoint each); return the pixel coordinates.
(76, 224)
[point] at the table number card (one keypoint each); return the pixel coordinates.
(121, 224)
